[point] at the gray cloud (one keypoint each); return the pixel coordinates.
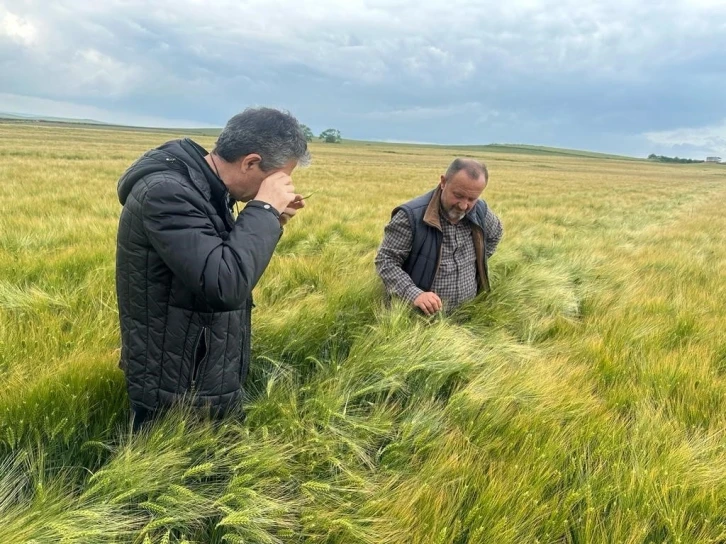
(711, 138)
(603, 75)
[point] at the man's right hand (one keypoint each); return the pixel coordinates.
(429, 303)
(277, 190)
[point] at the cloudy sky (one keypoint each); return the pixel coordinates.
(614, 76)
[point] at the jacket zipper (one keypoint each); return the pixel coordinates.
(197, 366)
(245, 360)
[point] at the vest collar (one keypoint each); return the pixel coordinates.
(432, 217)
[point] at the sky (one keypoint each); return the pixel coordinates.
(615, 76)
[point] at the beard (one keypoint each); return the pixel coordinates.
(454, 215)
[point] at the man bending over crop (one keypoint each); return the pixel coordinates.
(435, 248)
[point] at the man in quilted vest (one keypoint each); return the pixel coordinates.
(435, 248)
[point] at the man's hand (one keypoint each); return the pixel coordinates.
(277, 190)
(297, 203)
(429, 303)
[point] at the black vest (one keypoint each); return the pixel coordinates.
(423, 261)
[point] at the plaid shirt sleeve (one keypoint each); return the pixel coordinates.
(394, 250)
(493, 231)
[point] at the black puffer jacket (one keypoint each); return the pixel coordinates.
(185, 270)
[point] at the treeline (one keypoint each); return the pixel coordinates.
(663, 158)
(330, 135)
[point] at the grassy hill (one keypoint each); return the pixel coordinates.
(61, 122)
(46, 119)
(492, 148)
(509, 149)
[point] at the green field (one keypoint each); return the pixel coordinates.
(582, 401)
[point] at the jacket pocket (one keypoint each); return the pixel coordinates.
(200, 356)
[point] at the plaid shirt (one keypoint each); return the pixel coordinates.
(455, 280)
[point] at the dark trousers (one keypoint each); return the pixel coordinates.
(139, 416)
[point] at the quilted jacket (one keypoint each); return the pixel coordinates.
(185, 270)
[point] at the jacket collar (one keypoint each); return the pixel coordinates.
(202, 175)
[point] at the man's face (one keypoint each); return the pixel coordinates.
(247, 183)
(459, 194)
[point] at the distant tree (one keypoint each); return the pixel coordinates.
(663, 158)
(330, 136)
(309, 136)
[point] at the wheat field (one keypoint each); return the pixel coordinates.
(582, 401)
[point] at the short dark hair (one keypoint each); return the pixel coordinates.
(275, 135)
(472, 167)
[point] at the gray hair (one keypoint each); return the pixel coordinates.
(275, 135)
(472, 167)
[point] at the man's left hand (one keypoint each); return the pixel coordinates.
(297, 203)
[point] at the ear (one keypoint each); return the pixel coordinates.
(442, 183)
(250, 161)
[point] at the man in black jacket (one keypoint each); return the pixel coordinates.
(185, 267)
